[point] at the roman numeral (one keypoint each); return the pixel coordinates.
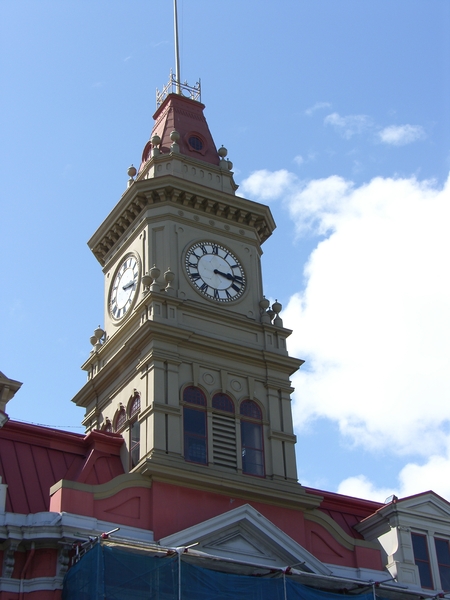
(235, 287)
(215, 249)
(204, 287)
(216, 295)
(195, 276)
(203, 249)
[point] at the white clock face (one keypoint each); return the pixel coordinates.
(124, 286)
(215, 272)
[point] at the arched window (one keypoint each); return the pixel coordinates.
(126, 422)
(223, 402)
(224, 431)
(121, 419)
(194, 426)
(135, 443)
(134, 406)
(252, 439)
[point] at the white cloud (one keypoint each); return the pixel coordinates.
(361, 487)
(299, 160)
(317, 106)
(267, 185)
(413, 479)
(349, 125)
(399, 135)
(373, 321)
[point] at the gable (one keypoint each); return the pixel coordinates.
(244, 535)
(427, 505)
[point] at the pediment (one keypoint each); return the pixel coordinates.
(245, 535)
(236, 543)
(426, 511)
(427, 505)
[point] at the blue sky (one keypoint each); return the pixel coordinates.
(336, 115)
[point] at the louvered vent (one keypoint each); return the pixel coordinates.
(224, 440)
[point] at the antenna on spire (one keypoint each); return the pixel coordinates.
(175, 86)
(177, 53)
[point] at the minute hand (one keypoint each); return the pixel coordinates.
(227, 275)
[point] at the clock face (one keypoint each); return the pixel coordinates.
(215, 272)
(124, 287)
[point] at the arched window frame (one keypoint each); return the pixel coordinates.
(195, 427)
(223, 402)
(120, 419)
(134, 408)
(252, 438)
(126, 422)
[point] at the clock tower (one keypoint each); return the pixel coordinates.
(191, 367)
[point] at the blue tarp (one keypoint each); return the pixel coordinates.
(114, 573)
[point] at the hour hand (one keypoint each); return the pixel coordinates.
(227, 275)
(128, 285)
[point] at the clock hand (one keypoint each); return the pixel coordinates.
(227, 275)
(128, 285)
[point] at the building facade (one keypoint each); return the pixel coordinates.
(189, 438)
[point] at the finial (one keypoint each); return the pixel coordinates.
(169, 276)
(175, 136)
(264, 305)
(276, 307)
(131, 173)
(156, 140)
(97, 339)
(154, 274)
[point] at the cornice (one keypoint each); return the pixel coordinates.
(130, 349)
(145, 193)
(282, 493)
(104, 490)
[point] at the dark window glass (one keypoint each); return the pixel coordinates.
(135, 404)
(251, 409)
(223, 402)
(252, 448)
(422, 559)
(443, 556)
(194, 395)
(121, 419)
(135, 442)
(195, 435)
(195, 142)
(252, 439)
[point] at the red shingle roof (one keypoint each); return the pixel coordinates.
(33, 458)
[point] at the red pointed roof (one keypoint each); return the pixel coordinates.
(184, 115)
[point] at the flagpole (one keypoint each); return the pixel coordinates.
(177, 54)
